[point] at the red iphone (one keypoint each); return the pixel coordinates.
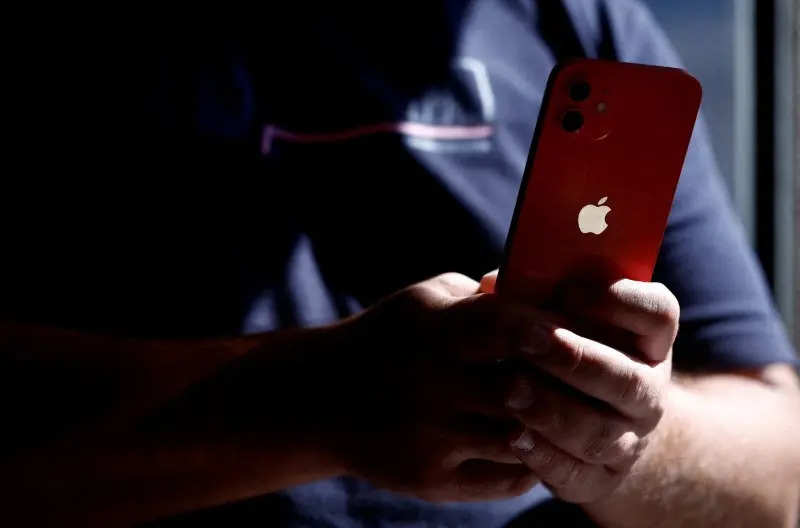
(605, 160)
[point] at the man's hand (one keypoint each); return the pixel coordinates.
(407, 394)
(589, 402)
(413, 399)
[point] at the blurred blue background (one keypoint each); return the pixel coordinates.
(745, 53)
(703, 33)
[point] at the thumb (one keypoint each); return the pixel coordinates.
(488, 282)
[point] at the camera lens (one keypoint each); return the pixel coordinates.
(580, 91)
(572, 121)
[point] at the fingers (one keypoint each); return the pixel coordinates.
(447, 462)
(488, 282)
(485, 329)
(473, 329)
(583, 429)
(453, 285)
(465, 444)
(482, 328)
(468, 390)
(481, 480)
(632, 387)
(648, 310)
(570, 478)
(482, 392)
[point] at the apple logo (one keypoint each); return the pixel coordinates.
(592, 218)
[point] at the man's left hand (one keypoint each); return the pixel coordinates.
(597, 385)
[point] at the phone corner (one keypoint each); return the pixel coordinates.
(695, 86)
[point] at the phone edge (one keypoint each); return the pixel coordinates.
(526, 175)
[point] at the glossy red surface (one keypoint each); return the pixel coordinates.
(631, 152)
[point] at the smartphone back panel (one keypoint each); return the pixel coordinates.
(604, 163)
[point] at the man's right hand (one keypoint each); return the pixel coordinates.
(412, 397)
(408, 395)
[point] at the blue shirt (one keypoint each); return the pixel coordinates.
(197, 184)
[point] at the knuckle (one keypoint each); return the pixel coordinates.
(419, 296)
(637, 391)
(673, 310)
(567, 352)
(655, 411)
(426, 291)
(665, 305)
(636, 446)
(454, 284)
(572, 473)
(576, 355)
(628, 449)
(657, 405)
(546, 462)
(601, 439)
(624, 451)
(446, 279)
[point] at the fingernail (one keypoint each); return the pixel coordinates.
(524, 442)
(521, 397)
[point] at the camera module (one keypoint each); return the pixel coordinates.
(572, 121)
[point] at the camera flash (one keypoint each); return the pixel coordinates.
(601, 107)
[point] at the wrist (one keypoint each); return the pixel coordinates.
(275, 399)
(271, 406)
(307, 379)
(331, 369)
(631, 502)
(321, 383)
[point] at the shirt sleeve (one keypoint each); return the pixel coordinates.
(728, 319)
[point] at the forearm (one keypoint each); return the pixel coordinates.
(102, 379)
(725, 454)
(128, 430)
(120, 481)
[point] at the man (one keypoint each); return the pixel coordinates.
(217, 288)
